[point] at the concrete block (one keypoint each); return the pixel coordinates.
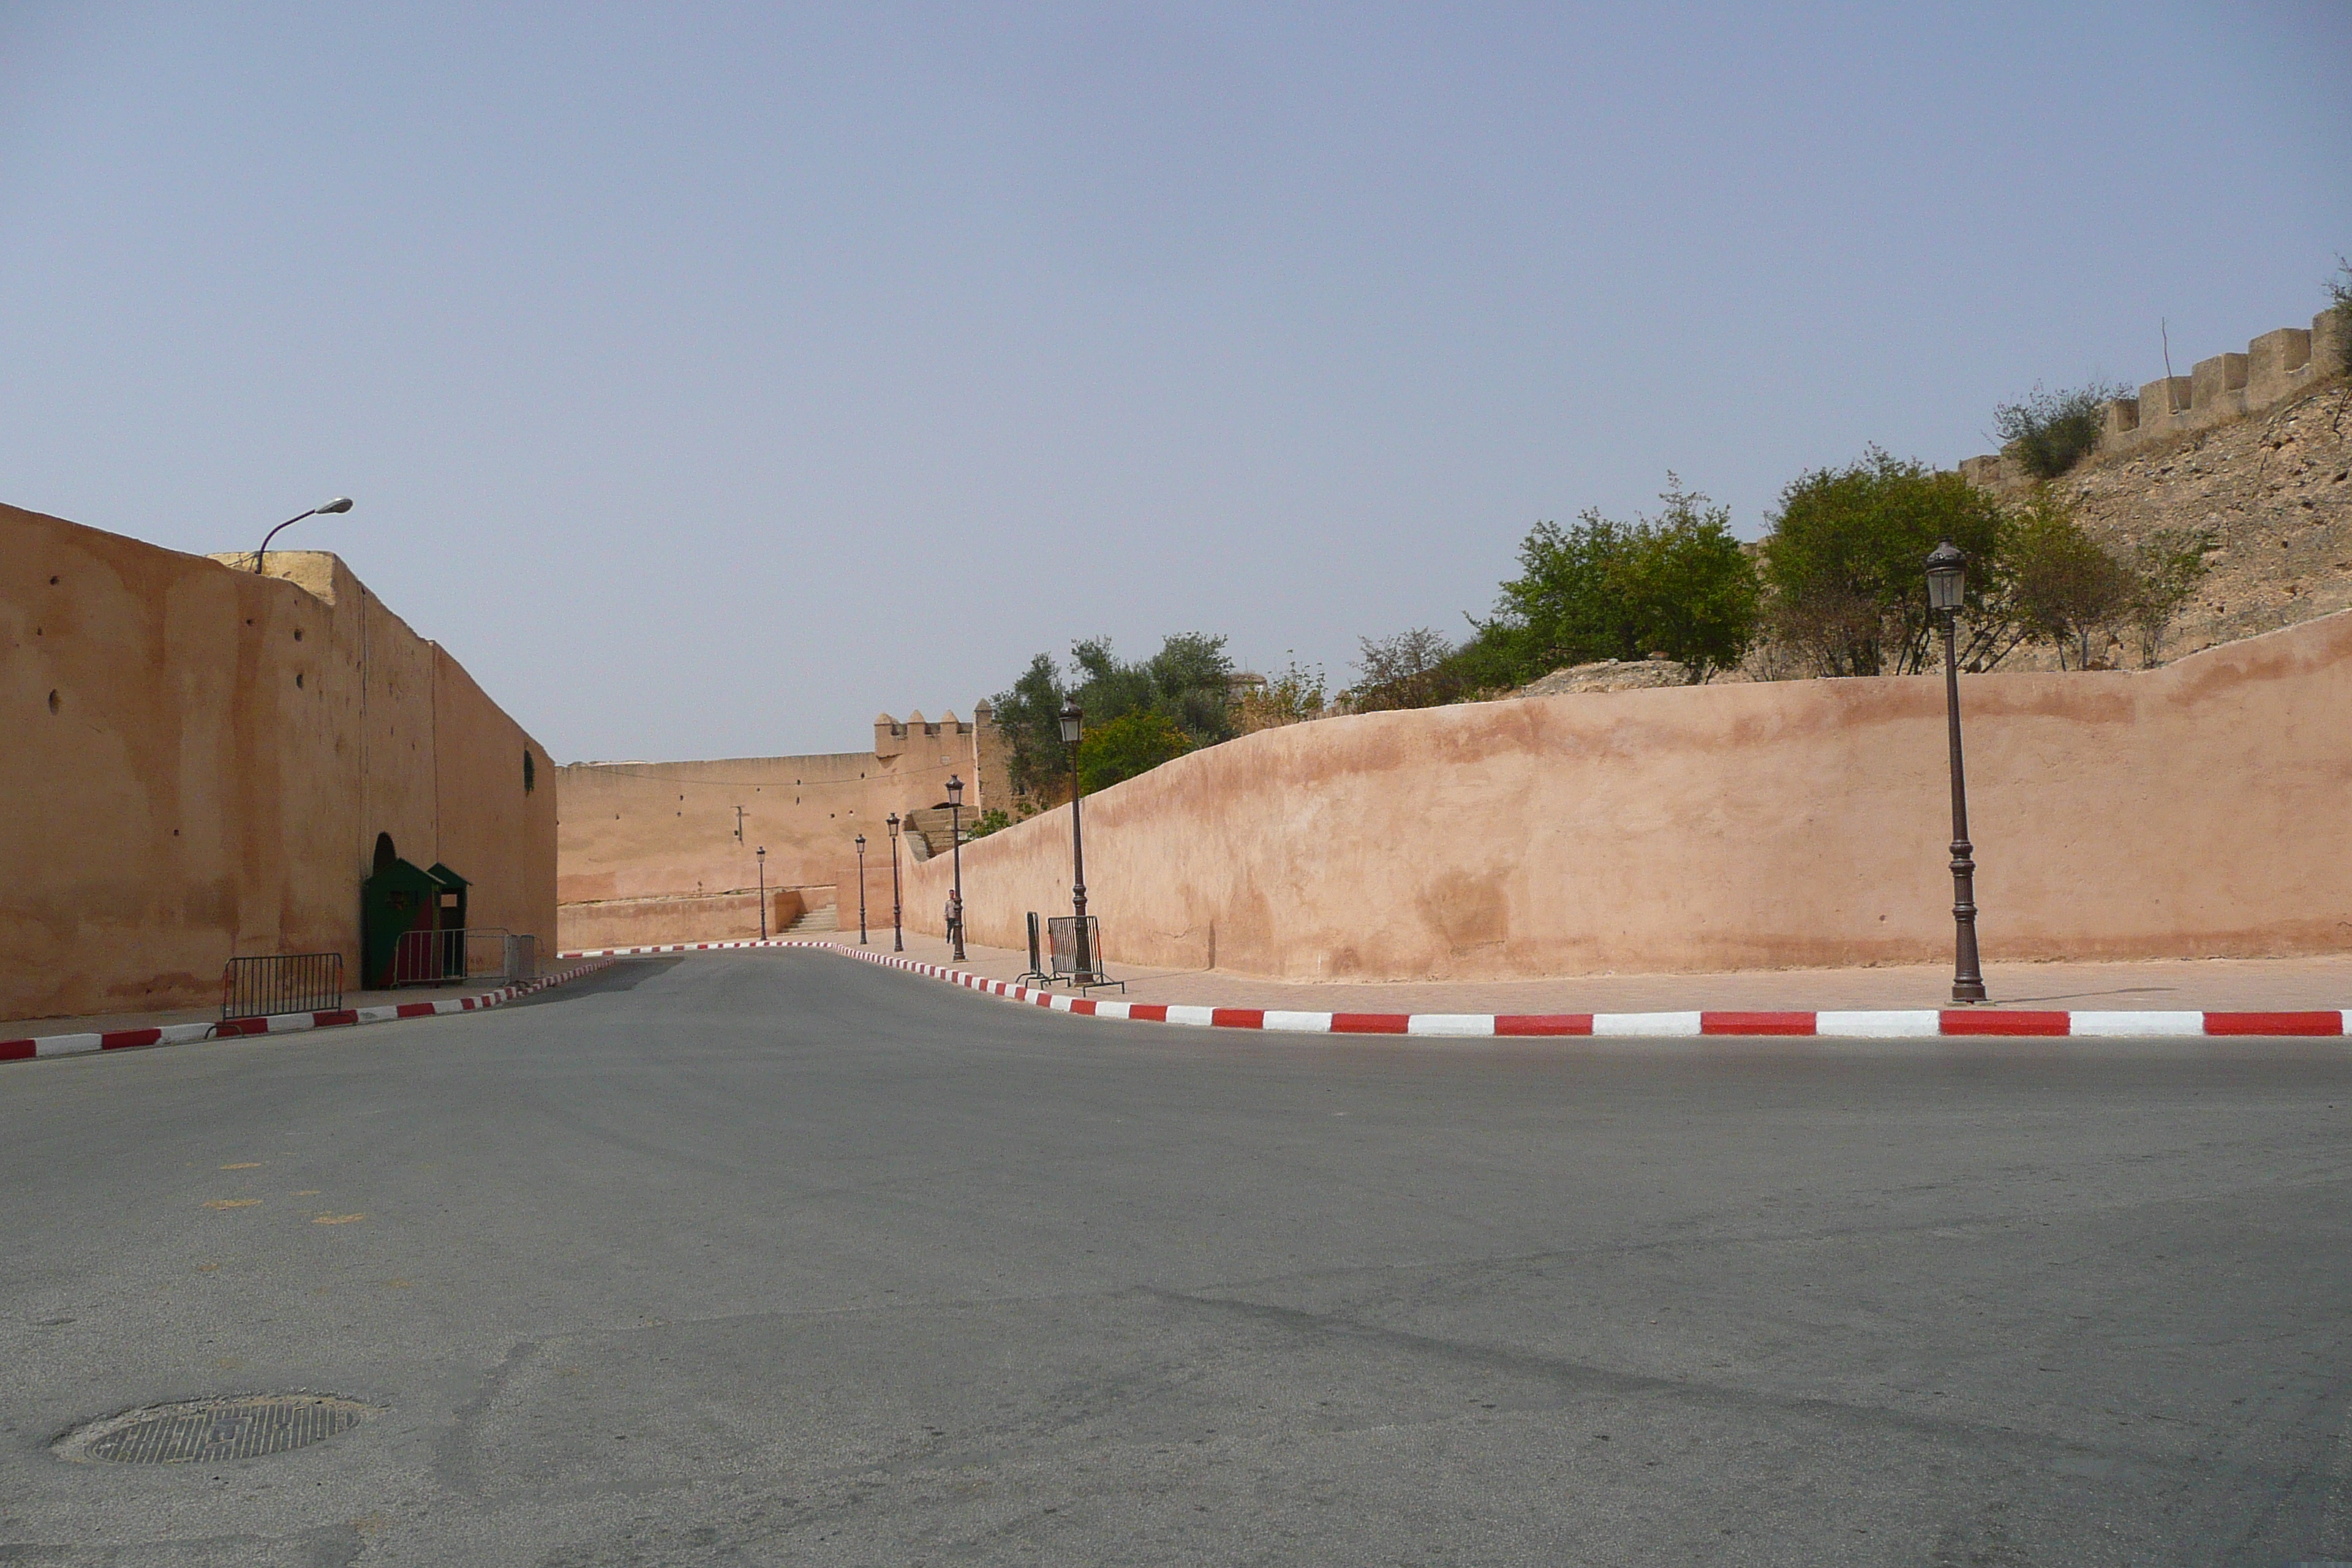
(1984, 472)
(2209, 379)
(2122, 417)
(2328, 333)
(2274, 355)
(2161, 400)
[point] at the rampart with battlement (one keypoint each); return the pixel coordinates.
(2276, 368)
(660, 852)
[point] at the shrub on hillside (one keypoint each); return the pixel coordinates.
(1294, 697)
(2339, 289)
(2050, 432)
(1845, 567)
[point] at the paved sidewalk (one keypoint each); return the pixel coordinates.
(116, 1023)
(2218, 984)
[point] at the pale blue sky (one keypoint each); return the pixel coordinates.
(710, 377)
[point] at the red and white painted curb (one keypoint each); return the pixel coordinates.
(1878, 1025)
(279, 1024)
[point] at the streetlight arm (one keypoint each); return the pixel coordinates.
(276, 532)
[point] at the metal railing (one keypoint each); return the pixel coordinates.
(1036, 962)
(281, 983)
(428, 958)
(454, 956)
(1076, 956)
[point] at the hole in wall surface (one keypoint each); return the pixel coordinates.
(54, 703)
(298, 677)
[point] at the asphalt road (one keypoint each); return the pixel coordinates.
(777, 1257)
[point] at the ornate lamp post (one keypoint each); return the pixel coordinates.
(897, 934)
(1073, 729)
(340, 504)
(861, 890)
(764, 892)
(1947, 581)
(955, 847)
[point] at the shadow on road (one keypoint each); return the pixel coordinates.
(626, 974)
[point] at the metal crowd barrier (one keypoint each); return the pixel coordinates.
(475, 952)
(282, 982)
(1076, 955)
(429, 958)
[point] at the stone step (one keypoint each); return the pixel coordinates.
(826, 919)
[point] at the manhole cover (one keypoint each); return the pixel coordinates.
(205, 1429)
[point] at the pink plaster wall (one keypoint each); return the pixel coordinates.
(196, 760)
(2201, 809)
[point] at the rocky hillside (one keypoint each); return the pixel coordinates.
(2276, 492)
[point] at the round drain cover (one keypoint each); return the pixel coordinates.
(205, 1429)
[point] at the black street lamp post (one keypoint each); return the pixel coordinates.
(1947, 577)
(1073, 729)
(340, 504)
(955, 847)
(898, 935)
(764, 892)
(861, 890)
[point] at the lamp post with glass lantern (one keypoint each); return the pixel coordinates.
(1073, 729)
(764, 892)
(955, 847)
(1947, 583)
(861, 890)
(898, 935)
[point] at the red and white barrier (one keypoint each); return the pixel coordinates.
(279, 1023)
(1925, 1022)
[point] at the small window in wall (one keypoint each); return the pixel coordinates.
(385, 853)
(529, 771)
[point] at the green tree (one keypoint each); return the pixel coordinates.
(1134, 742)
(1030, 715)
(1192, 677)
(1845, 565)
(2167, 568)
(2065, 588)
(1188, 682)
(1678, 583)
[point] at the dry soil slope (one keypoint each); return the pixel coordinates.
(2276, 492)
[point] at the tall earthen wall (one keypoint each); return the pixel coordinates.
(2200, 809)
(650, 851)
(199, 760)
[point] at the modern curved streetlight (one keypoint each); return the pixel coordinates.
(1947, 585)
(340, 504)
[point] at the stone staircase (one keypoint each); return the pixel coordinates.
(816, 920)
(931, 823)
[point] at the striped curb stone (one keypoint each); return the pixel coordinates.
(279, 1024)
(1885, 1024)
